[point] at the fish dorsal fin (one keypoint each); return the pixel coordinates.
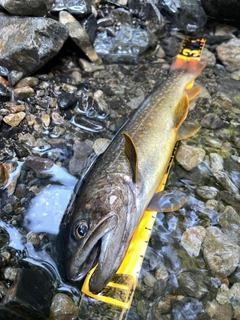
(187, 130)
(181, 112)
(192, 93)
(131, 153)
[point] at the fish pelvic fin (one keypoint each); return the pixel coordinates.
(181, 112)
(130, 151)
(192, 93)
(187, 130)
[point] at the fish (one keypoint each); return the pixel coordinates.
(118, 189)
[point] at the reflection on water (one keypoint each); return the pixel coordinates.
(47, 208)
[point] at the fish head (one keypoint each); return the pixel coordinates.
(99, 233)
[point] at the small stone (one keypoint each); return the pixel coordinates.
(235, 75)
(161, 273)
(23, 93)
(27, 139)
(223, 294)
(229, 221)
(212, 121)
(189, 157)
(33, 238)
(149, 279)
(206, 192)
(192, 240)
(63, 308)
(28, 82)
(14, 120)
(46, 119)
(57, 119)
(234, 298)
(100, 145)
(220, 252)
(216, 162)
(89, 67)
(14, 108)
(10, 273)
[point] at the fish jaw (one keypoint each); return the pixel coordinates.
(89, 250)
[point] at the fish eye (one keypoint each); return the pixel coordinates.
(80, 229)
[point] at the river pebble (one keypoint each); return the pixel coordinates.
(14, 119)
(229, 221)
(220, 252)
(63, 308)
(189, 157)
(192, 239)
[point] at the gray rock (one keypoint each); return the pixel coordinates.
(220, 252)
(206, 192)
(36, 8)
(189, 157)
(229, 222)
(63, 308)
(79, 36)
(128, 45)
(229, 54)
(234, 299)
(192, 239)
(212, 121)
(36, 41)
(219, 311)
(186, 14)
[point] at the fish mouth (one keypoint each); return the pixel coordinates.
(84, 257)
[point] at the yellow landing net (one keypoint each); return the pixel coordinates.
(114, 301)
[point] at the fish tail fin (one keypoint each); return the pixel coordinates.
(191, 65)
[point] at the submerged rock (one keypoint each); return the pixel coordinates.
(220, 252)
(79, 8)
(36, 40)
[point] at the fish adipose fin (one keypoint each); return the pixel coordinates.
(165, 201)
(131, 153)
(187, 130)
(181, 112)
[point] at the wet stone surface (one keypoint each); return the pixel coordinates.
(55, 121)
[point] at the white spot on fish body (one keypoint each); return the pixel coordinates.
(112, 199)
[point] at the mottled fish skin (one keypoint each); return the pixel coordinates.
(110, 203)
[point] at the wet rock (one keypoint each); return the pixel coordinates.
(63, 308)
(14, 108)
(127, 47)
(3, 71)
(79, 36)
(23, 93)
(189, 157)
(206, 192)
(193, 284)
(33, 238)
(208, 57)
(80, 160)
(212, 121)
(35, 8)
(4, 174)
(79, 8)
(220, 252)
(229, 54)
(10, 273)
(4, 93)
(90, 25)
(14, 119)
(192, 239)
(46, 119)
(40, 39)
(28, 82)
(234, 299)
(88, 124)
(219, 311)
(229, 221)
(216, 162)
(29, 297)
(135, 102)
(187, 308)
(100, 145)
(14, 76)
(88, 67)
(223, 178)
(38, 164)
(222, 9)
(185, 14)
(66, 100)
(223, 294)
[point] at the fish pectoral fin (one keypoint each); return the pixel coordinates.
(131, 153)
(193, 92)
(181, 112)
(167, 201)
(187, 130)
